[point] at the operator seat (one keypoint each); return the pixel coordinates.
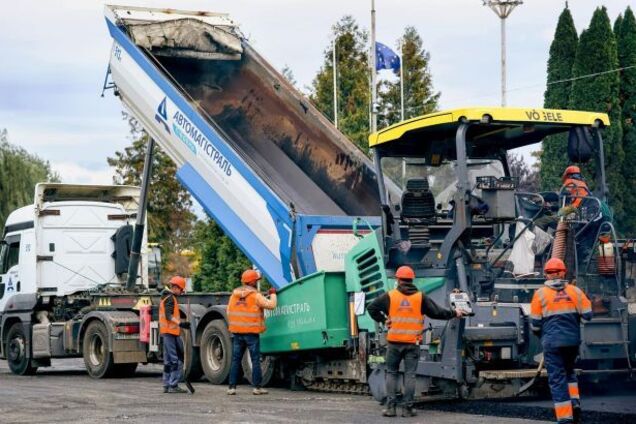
(418, 203)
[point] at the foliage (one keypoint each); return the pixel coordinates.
(596, 54)
(419, 97)
(352, 79)
(626, 41)
(221, 262)
(528, 175)
(289, 75)
(557, 95)
(170, 217)
(20, 171)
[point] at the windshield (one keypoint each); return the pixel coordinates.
(442, 179)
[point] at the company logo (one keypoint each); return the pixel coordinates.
(404, 305)
(562, 296)
(292, 309)
(162, 115)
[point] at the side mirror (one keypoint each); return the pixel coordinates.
(580, 145)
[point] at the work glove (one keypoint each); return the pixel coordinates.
(271, 291)
(185, 325)
(566, 210)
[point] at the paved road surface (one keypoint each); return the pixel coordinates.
(65, 394)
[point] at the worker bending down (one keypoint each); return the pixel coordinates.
(406, 307)
(170, 325)
(246, 322)
(556, 311)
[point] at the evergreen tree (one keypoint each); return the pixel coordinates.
(419, 97)
(626, 41)
(557, 96)
(221, 262)
(597, 53)
(20, 171)
(170, 217)
(618, 24)
(353, 81)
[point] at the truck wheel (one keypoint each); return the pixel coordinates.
(268, 366)
(192, 368)
(216, 352)
(16, 348)
(97, 356)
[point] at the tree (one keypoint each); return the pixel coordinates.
(20, 171)
(528, 175)
(353, 81)
(557, 96)
(221, 262)
(597, 91)
(288, 75)
(419, 97)
(626, 42)
(170, 217)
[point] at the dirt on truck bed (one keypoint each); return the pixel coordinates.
(65, 394)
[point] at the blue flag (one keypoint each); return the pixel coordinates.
(385, 58)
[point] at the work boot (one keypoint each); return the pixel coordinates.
(576, 415)
(259, 391)
(176, 389)
(389, 411)
(231, 391)
(408, 411)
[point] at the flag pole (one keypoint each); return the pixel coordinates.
(374, 112)
(335, 83)
(402, 79)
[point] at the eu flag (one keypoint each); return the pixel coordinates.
(385, 58)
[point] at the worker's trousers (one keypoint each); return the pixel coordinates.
(241, 342)
(559, 362)
(172, 360)
(397, 352)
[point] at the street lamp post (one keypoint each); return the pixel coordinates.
(503, 9)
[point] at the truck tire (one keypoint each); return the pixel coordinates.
(192, 368)
(97, 356)
(216, 352)
(268, 366)
(16, 350)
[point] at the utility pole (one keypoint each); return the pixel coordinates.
(402, 80)
(503, 9)
(335, 83)
(374, 111)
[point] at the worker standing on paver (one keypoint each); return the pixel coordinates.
(556, 311)
(405, 307)
(170, 325)
(246, 322)
(575, 185)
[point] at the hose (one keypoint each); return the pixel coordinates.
(560, 241)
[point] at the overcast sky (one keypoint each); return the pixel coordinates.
(54, 58)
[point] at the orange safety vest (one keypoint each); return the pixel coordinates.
(576, 188)
(168, 326)
(244, 315)
(407, 320)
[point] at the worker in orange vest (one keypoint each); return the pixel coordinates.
(170, 325)
(556, 311)
(246, 321)
(575, 185)
(405, 307)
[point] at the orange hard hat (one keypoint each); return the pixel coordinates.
(554, 265)
(572, 169)
(405, 273)
(178, 281)
(250, 277)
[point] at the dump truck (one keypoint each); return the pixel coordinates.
(328, 227)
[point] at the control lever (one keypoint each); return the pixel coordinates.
(460, 300)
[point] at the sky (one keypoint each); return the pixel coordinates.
(55, 55)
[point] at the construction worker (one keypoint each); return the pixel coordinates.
(405, 307)
(170, 325)
(556, 311)
(575, 185)
(246, 322)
